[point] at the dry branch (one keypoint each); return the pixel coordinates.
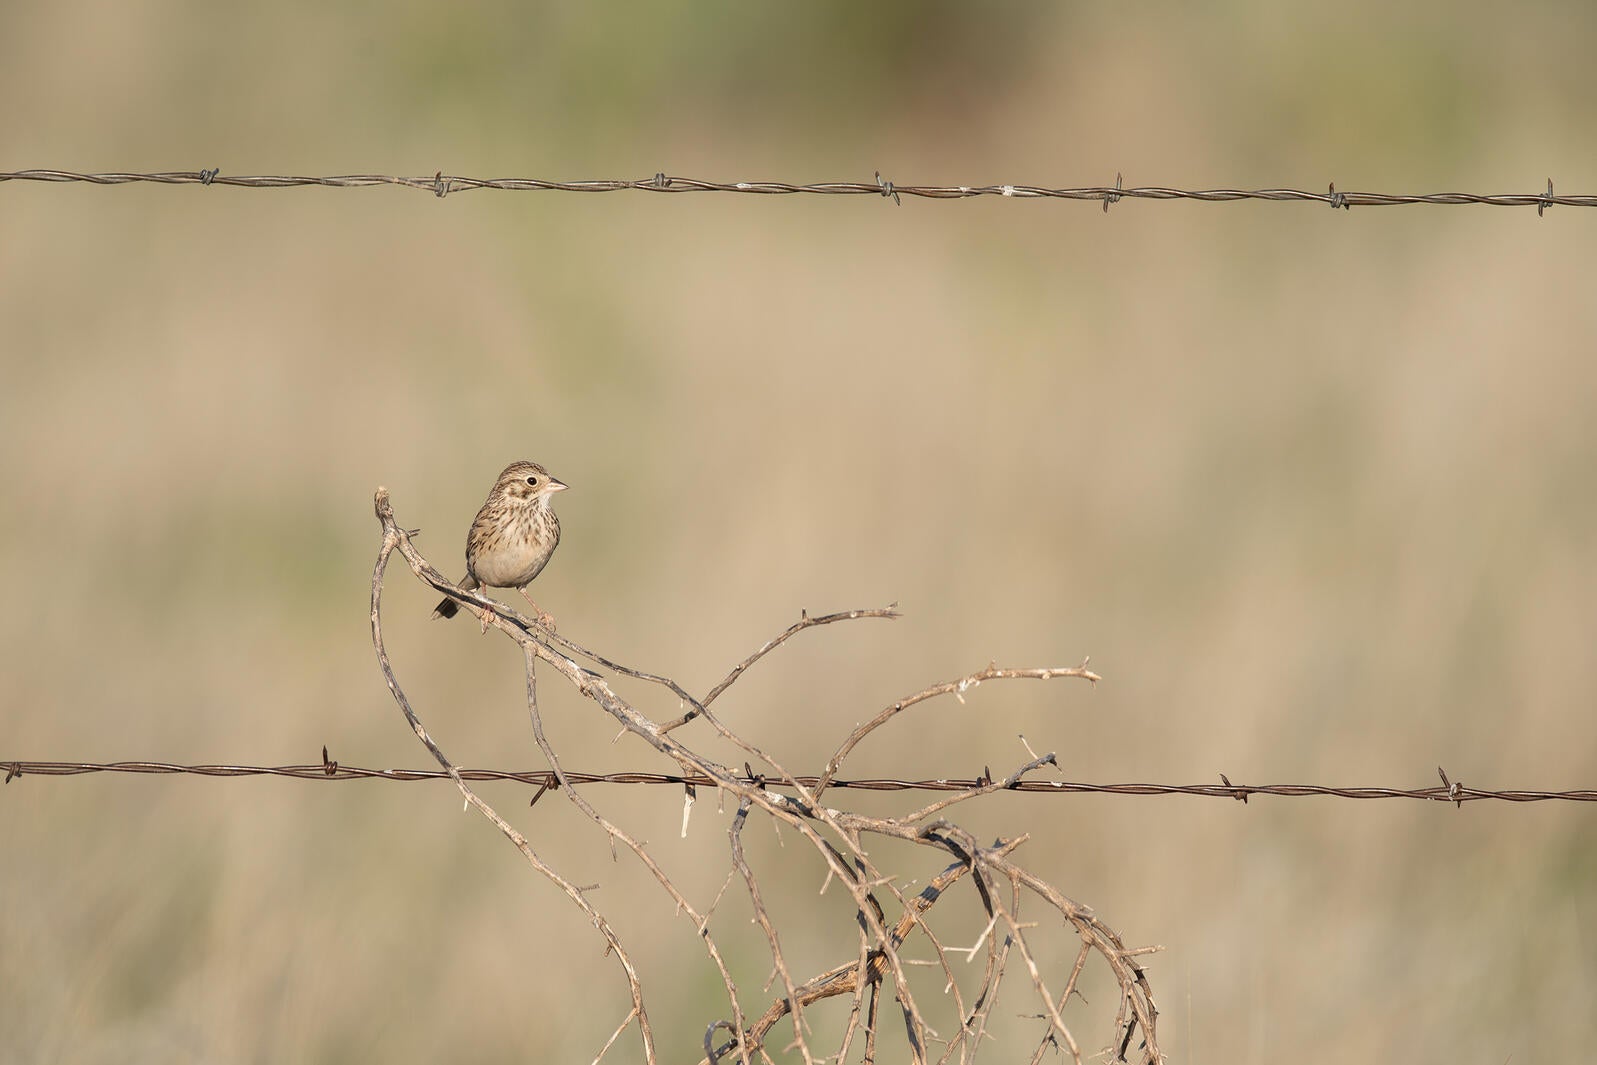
(837, 840)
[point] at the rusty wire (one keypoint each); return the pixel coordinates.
(1449, 791)
(441, 185)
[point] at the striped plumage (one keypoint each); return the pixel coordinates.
(512, 536)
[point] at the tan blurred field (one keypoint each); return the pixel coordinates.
(1314, 490)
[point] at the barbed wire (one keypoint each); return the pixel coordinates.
(441, 185)
(1449, 790)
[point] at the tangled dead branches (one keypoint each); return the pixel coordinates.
(887, 919)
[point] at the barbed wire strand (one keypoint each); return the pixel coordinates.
(441, 185)
(1449, 791)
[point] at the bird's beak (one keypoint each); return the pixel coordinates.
(557, 486)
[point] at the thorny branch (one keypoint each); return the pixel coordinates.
(837, 840)
(393, 537)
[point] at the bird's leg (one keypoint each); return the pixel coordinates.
(485, 616)
(544, 619)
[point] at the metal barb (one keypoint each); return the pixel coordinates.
(208, 176)
(1239, 793)
(887, 189)
(1114, 197)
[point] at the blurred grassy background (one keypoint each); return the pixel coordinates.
(1313, 489)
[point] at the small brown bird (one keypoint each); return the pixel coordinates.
(512, 537)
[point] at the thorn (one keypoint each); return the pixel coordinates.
(1237, 793)
(689, 796)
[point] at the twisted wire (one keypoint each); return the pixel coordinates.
(441, 184)
(1448, 791)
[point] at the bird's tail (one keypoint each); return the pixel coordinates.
(449, 608)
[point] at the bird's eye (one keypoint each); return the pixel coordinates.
(533, 481)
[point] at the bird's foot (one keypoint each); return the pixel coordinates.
(545, 619)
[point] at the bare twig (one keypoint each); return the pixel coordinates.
(952, 687)
(683, 906)
(889, 612)
(740, 863)
(393, 537)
